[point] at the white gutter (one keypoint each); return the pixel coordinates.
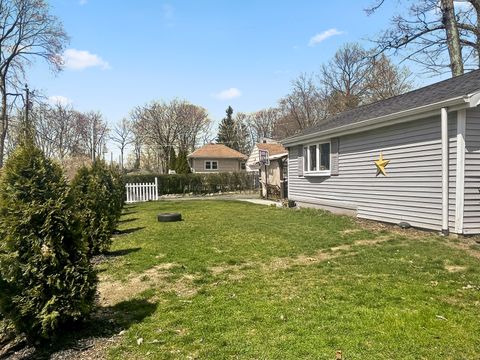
(444, 126)
(452, 104)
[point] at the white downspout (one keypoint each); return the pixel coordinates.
(445, 180)
(460, 171)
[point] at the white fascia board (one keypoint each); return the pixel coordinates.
(453, 104)
(473, 99)
(278, 156)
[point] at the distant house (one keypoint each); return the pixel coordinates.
(272, 176)
(413, 158)
(214, 158)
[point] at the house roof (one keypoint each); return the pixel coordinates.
(453, 88)
(217, 151)
(273, 149)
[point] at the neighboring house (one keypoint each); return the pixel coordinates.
(213, 158)
(277, 170)
(413, 158)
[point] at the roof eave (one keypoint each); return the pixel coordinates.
(395, 118)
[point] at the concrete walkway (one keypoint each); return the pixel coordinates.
(262, 202)
(251, 198)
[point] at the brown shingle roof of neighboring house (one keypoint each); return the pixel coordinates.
(217, 151)
(273, 149)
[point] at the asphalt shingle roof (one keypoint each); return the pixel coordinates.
(273, 149)
(440, 91)
(217, 151)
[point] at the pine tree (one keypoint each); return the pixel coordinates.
(46, 279)
(227, 132)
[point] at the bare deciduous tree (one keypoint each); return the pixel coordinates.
(303, 107)
(122, 137)
(344, 78)
(436, 34)
(352, 78)
(385, 80)
(94, 133)
(27, 31)
(163, 125)
(262, 123)
(59, 130)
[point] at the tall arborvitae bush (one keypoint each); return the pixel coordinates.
(182, 166)
(99, 193)
(46, 279)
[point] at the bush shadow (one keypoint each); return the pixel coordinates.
(128, 231)
(122, 252)
(127, 220)
(104, 324)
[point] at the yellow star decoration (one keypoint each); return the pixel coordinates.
(381, 164)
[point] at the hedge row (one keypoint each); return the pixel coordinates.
(198, 183)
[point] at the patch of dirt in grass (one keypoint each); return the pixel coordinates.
(369, 242)
(393, 228)
(464, 244)
(301, 260)
(455, 268)
(234, 271)
(113, 292)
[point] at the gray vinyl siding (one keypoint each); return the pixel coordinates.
(410, 192)
(224, 165)
(471, 219)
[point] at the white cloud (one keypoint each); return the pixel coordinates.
(59, 100)
(228, 94)
(81, 59)
(318, 38)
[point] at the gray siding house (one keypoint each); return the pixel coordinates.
(426, 144)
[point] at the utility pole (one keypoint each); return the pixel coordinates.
(94, 143)
(27, 126)
(27, 104)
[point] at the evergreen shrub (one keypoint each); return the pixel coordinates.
(46, 279)
(99, 193)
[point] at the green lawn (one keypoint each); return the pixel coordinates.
(243, 281)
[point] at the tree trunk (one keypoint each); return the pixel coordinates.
(453, 37)
(476, 6)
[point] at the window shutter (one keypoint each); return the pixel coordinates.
(300, 160)
(335, 142)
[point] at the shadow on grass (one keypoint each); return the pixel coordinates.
(104, 324)
(122, 252)
(128, 231)
(127, 220)
(128, 212)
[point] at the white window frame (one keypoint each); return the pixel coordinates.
(306, 171)
(211, 165)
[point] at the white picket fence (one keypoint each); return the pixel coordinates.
(139, 192)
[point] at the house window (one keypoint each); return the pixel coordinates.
(211, 165)
(242, 165)
(312, 156)
(317, 159)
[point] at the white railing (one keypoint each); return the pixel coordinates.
(139, 192)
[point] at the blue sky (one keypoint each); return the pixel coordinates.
(213, 53)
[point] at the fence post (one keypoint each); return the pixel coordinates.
(156, 188)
